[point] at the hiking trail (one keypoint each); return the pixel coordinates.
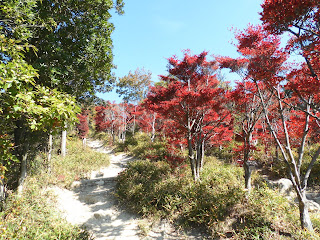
(91, 204)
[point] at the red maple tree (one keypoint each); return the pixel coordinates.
(266, 65)
(192, 100)
(83, 125)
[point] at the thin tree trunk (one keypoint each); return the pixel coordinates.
(50, 143)
(153, 128)
(199, 158)
(191, 158)
(2, 193)
(247, 176)
(304, 213)
(23, 173)
(202, 155)
(64, 143)
(22, 147)
(246, 156)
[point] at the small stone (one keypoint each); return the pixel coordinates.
(75, 184)
(284, 185)
(313, 206)
(97, 216)
(89, 199)
(100, 183)
(99, 174)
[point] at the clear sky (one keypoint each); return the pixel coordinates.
(150, 31)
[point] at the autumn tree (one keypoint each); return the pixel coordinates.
(106, 119)
(266, 66)
(192, 100)
(301, 20)
(248, 112)
(83, 126)
(147, 120)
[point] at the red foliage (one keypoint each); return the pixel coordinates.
(191, 95)
(280, 15)
(192, 101)
(148, 120)
(301, 19)
(82, 126)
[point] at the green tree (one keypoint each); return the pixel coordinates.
(134, 86)
(74, 55)
(25, 106)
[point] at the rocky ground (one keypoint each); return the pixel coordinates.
(91, 204)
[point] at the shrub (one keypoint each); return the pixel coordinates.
(137, 186)
(279, 168)
(217, 203)
(141, 146)
(224, 153)
(150, 188)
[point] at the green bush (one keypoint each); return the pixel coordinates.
(217, 203)
(141, 146)
(224, 153)
(137, 186)
(153, 188)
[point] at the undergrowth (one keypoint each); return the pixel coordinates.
(141, 146)
(76, 165)
(217, 203)
(33, 214)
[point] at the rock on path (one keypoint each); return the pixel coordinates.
(91, 204)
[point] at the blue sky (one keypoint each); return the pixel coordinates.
(151, 31)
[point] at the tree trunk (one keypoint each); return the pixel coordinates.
(305, 220)
(246, 166)
(23, 173)
(21, 151)
(153, 133)
(199, 158)
(202, 155)
(191, 159)
(247, 176)
(64, 143)
(50, 143)
(2, 193)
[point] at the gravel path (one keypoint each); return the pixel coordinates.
(91, 204)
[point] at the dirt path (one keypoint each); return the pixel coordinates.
(91, 204)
